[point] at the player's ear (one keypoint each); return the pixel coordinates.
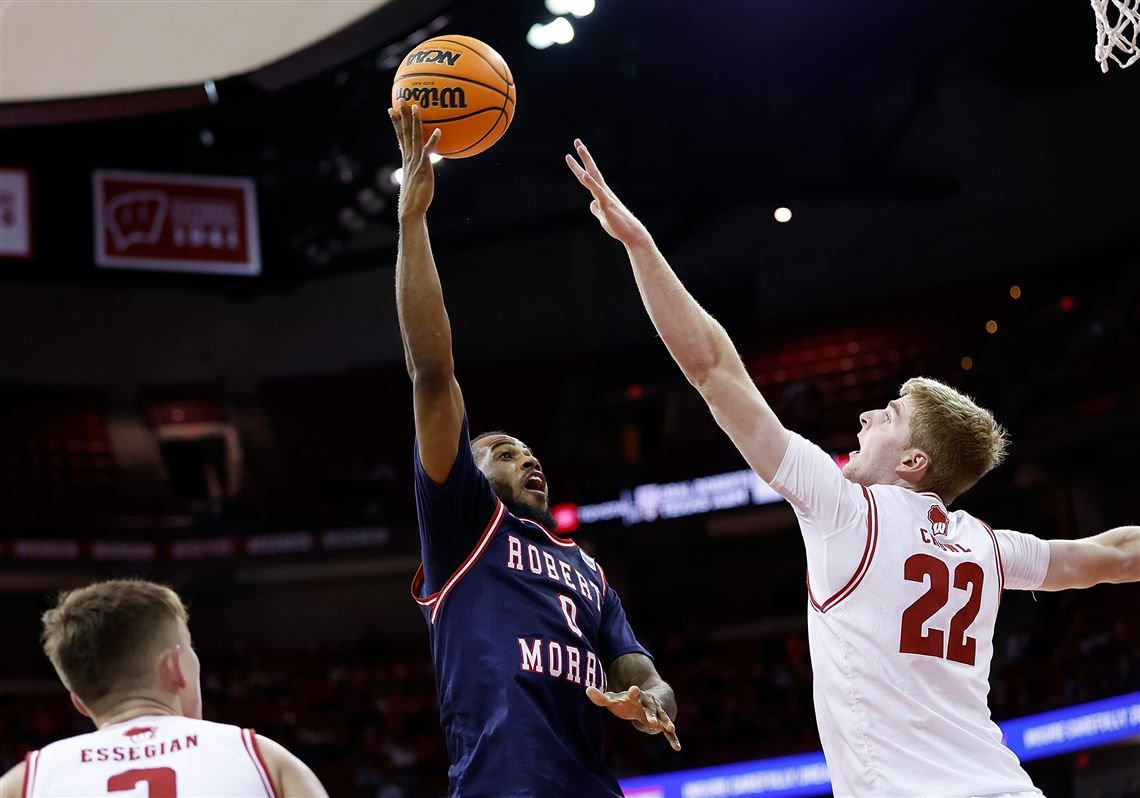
(171, 669)
(80, 707)
(913, 467)
(176, 666)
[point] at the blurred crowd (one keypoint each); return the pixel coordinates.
(367, 721)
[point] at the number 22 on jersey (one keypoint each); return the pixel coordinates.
(968, 577)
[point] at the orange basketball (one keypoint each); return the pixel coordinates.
(463, 87)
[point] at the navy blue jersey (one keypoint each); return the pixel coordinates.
(521, 622)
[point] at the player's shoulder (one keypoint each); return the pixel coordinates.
(75, 740)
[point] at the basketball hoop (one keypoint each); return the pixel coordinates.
(1117, 30)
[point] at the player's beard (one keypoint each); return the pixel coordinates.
(521, 509)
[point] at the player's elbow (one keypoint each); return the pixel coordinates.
(699, 373)
(428, 371)
(704, 353)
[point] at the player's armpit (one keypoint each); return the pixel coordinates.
(1111, 557)
(291, 776)
(742, 412)
(12, 783)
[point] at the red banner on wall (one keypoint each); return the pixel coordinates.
(15, 213)
(178, 223)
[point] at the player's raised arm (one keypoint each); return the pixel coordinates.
(1112, 557)
(695, 339)
(424, 326)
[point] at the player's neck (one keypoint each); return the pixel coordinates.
(131, 708)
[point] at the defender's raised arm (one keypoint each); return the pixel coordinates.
(1112, 557)
(424, 326)
(695, 339)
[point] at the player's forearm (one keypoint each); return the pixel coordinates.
(638, 669)
(694, 338)
(1124, 542)
(424, 325)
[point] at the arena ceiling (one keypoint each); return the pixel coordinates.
(918, 146)
(77, 48)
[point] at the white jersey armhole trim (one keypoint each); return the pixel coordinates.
(997, 553)
(249, 740)
(31, 767)
(864, 563)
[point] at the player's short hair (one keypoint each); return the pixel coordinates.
(482, 435)
(962, 438)
(104, 637)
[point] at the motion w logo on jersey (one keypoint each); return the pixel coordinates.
(939, 525)
(571, 659)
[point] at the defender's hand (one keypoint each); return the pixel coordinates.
(643, 709)
(616, 219)
(418, 186)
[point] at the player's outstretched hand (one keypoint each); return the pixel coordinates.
(418, 186)
(616, 219)
(643, 709)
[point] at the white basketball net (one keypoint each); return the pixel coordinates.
(1117, 32)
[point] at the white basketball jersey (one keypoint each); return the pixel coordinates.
(157, 756)
(902, 600)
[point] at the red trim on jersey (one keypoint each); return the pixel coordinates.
(31, 759)
(557, 541)
(864, 563)
(418, 579)
(605, 584)
(249, 738)
(417, 582)
(488, 533)
(935, 495)
(997, 551)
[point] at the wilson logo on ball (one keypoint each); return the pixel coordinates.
(464, 89)
(431, 97)
(432, 57)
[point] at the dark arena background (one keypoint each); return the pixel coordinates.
(962, 183)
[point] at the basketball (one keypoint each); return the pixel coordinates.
(464, 88)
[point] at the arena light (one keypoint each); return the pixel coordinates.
(538, 37)
(565, 516)
(370, 201)
(561, 31)
(782, 215)
(577, 8)
(395, 176)
(557, 31)
(350, 220)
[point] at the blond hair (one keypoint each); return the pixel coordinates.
(963, 439)
(104, 637)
